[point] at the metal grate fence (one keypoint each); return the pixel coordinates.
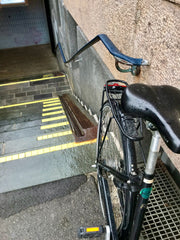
(162, 220)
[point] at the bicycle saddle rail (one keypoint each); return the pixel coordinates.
(120, 57)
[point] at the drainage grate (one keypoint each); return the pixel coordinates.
(162, 220)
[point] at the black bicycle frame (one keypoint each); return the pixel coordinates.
(140, 210)
(104, 189)
(132, 186)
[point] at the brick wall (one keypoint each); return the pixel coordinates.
(30, 91)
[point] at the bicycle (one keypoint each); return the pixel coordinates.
(124, 108)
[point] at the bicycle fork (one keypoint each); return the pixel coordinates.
(146, 186)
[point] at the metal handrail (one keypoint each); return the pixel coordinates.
(119, 57)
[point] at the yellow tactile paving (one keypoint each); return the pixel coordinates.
(55, 100)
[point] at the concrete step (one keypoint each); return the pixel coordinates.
(21, 113)
(32, 131)
(31, 120)
(30, 143)
(46, 167)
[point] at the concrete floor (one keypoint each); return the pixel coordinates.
(43, 213)
(18, 63)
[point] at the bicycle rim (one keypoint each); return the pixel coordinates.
(111, 152)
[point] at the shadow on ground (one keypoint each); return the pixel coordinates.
(50, 219)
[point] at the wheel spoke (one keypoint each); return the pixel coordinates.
(111, 153)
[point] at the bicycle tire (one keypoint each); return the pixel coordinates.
(111, 151)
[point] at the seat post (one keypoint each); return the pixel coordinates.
(146, 186)
(153, 153)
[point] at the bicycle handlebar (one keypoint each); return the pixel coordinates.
(120, 57)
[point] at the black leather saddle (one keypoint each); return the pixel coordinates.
(158, 104)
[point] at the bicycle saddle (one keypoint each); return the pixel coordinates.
(158, 104)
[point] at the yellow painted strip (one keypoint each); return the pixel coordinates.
(48, 101)
(51, 101)
(54, 125)
(54, 135)
(32, 80)
(45, 78)
(52, 104)
(48, 75)
(44, 151)
(92, 229)
(21, 104)
(52, 113)
(50, 109)
(53, 118)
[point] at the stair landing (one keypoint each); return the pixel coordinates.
(19, 63)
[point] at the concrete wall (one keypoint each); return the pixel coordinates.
(139, 28)
(88, 73)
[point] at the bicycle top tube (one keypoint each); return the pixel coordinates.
(120, 57)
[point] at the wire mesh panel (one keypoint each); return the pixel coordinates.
(162, 220)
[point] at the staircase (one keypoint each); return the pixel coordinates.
(36, 141)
